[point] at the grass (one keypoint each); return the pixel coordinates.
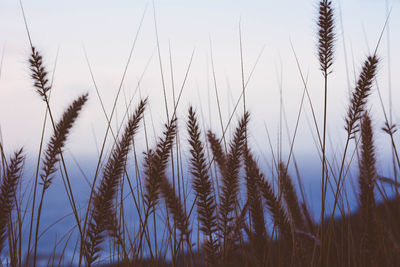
(208, 222)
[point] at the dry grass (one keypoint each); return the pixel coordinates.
(206, 203)
(103, 213)
(8, 190)
(247, 220)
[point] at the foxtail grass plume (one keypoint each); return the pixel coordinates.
(258, 237)
(229, 165)
(156, 162)
(8, 189)
(157, 183)
(39, 74)
(366, 182)
(58, 139)
(326, 36)
(103, 212)
(290, 196)
(175, 207)
(360, 95)
(230, 176)
(206, 204)
(217, 150)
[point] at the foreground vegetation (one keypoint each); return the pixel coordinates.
(229, 230)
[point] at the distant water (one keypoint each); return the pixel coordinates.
(59, 225)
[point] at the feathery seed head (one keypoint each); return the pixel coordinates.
(8, 190)
(326, 35)
(39, 74)
(57, 140)
(360, 95)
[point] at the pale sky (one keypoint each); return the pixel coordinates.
(107, 30)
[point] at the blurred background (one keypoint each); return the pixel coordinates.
(210, 30)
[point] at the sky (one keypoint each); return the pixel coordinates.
(73, 35)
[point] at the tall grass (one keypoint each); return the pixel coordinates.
(326, 38)
(246, 220)
(103, 213)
